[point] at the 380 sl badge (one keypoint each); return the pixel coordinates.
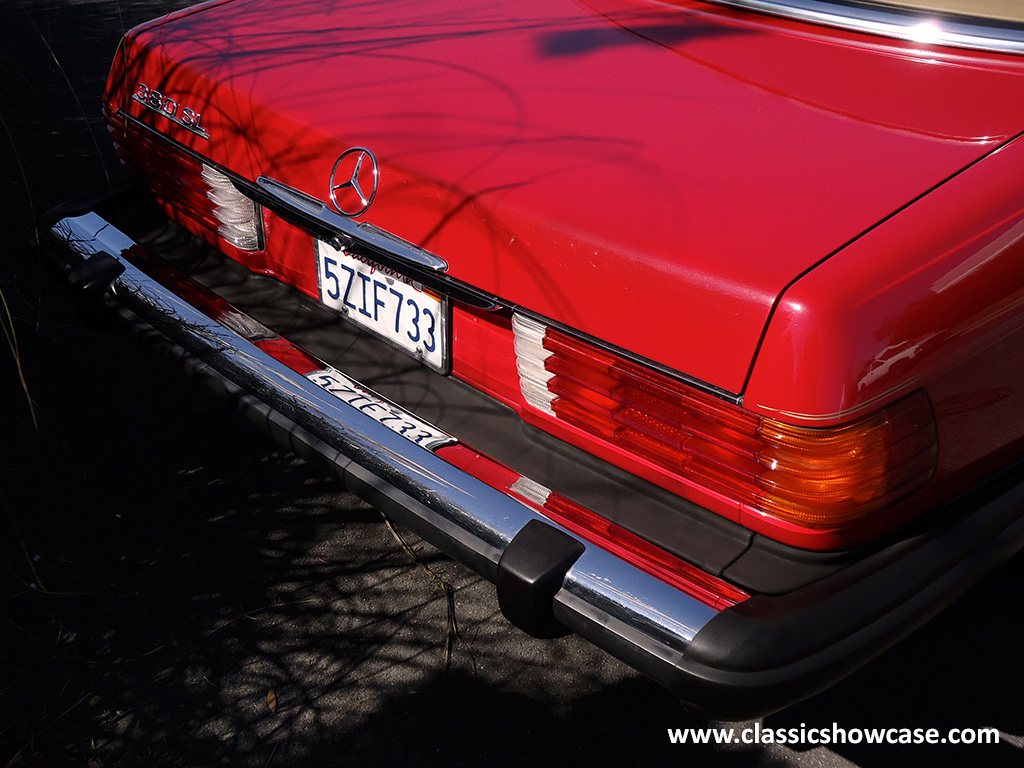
(170, 108)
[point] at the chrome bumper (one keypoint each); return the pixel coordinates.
(629, 613)
(748, 660)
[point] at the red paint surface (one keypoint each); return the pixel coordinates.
(652, 176)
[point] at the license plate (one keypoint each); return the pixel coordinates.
(387, 304)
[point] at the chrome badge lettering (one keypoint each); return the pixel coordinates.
(172, 109)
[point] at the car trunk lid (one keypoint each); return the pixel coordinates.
(653, 175)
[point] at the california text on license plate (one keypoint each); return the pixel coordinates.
(385, 303)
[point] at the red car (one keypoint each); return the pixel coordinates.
(696, 327)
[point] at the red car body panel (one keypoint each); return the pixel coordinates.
(936, 292)
(677, 167)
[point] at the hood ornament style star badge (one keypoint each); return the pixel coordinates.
(360, 171)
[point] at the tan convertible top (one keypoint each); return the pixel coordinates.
(998, 10)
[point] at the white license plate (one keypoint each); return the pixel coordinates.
(386, 304)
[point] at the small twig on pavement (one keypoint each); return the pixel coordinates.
(446, 589)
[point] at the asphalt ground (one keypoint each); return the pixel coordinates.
(176, 590)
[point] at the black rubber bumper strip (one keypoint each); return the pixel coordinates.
(772, 651)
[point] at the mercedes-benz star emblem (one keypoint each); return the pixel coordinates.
(359, 168)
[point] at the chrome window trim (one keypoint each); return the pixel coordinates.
(914, 26)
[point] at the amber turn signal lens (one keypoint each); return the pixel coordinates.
(831, 477)
(815, 478)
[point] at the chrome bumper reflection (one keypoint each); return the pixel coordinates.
(629, 613)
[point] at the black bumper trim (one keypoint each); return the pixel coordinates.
(772, 651)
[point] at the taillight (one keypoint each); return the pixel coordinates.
(236, 213)
(200, 196)
(816, 478)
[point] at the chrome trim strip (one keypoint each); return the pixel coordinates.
(620, 608)
(143, 126)
(347, 232)
(958, 32)
(364, 239)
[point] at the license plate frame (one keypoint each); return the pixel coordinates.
(386, 304)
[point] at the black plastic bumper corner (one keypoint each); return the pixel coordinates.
(772, 651)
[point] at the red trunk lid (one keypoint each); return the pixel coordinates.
(654, 175)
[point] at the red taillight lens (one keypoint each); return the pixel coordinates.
(709, 589)
(202, 197)
(815, 478)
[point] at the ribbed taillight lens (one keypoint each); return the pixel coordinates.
(235, 212)
(816, 478)
(201, 196)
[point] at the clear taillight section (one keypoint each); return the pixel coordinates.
(815, 478)
(200, 196)
(236, 213)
